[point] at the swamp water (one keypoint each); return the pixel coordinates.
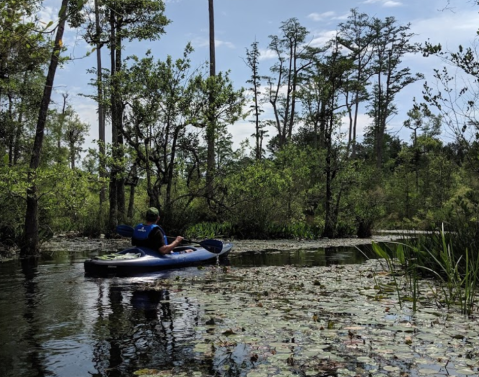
(295, 313)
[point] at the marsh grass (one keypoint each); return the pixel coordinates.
(297, 230)
(210, 230)
(434, 256)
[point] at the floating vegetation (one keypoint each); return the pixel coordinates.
(322, 321)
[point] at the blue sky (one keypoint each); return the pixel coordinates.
(238, 23)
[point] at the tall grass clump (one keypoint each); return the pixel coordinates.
(442, 256)
(401, 260)
(210, 230)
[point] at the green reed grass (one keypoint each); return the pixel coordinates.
(457, 271)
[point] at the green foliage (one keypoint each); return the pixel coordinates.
(443, 256)
(268, 195)
(67, 201)
(210, 230)
(312, 181)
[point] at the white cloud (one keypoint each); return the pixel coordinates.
(267, 54)
(240, 131)
(47, 14)
(343, 17)
(385, 3)
(321, 38)
(204, 42)
(364, 121)
(321, 16)
(327, 16)
(449, 29)
(219, 43)
(392, 4)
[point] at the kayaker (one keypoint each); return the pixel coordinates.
(151, 235)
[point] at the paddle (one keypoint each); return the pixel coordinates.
(213, 246)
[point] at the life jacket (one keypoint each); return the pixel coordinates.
(141, 232)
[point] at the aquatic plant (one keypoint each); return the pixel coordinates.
(434, 256)
(318, 321)
(295, 230)
(210, 230)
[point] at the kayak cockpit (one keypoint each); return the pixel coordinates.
(138, 252)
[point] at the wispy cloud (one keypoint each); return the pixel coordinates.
(449, 29)
(203, 42)
(385, 3)
(267, 54)
(219, 43)
(392, 4)
(321, 16)
(331, 15)
(321, 38)
(47, 14)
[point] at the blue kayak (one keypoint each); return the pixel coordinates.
(138, 259)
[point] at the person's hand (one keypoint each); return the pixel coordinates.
(179, 239)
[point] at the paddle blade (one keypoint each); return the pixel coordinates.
(213, 246)
(125, 230)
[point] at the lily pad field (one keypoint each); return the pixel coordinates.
(341, 320)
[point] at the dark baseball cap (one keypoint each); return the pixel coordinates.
(152, 214)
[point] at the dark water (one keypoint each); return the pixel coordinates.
(54, 321)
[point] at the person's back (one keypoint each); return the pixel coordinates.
(150, 234)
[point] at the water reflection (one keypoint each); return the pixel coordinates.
(56, 322)
(32, 296)
(318, 257)
(138, 328)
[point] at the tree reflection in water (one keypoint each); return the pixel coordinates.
(137, 329)
(32, 297)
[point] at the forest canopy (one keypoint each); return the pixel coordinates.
(299, 175)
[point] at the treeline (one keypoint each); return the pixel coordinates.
(301, 176)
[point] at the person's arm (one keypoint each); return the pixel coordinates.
(167, 249)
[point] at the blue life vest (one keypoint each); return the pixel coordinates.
(141, 232)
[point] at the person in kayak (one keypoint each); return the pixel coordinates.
(151, 235)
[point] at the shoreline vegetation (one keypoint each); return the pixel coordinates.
(306, 172)
(73, 243)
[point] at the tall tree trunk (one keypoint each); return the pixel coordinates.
(211, 126)
(329, 222)
(72, 155)
(9, 130)
(19, 128)
(31, 241)
(132, 182)
(120, 183)
(62, 124)
(101, 111)
(211, 12)
(18, 135)
(113, 195)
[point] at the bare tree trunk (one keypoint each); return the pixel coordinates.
(131, 202)
(329, 222)
(62, 124)
(120, 183)
(211, 12)
(113, 195)
(211, 126)
(9, 127)
(31, 241)
(18, 135)
(101, 111)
